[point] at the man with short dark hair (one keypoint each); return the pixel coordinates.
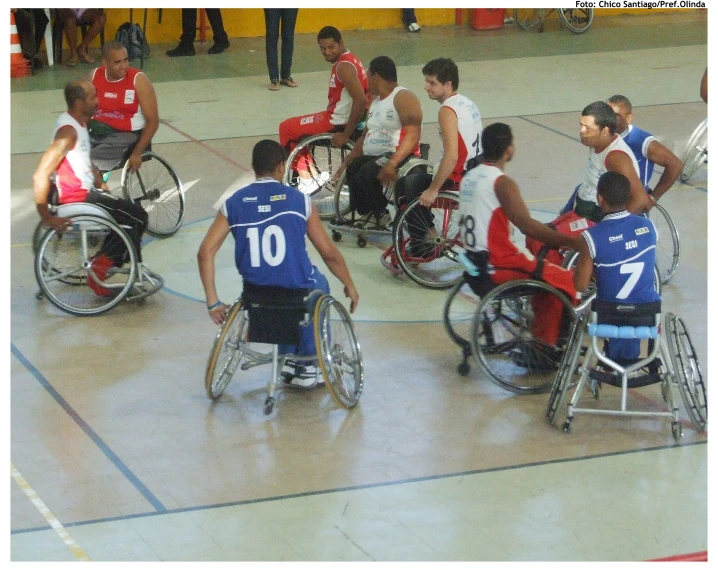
(621, 251)
(269, 222)
(127, 112)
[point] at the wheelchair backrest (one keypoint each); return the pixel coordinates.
(275, 313)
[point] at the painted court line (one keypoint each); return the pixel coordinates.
(47, 514)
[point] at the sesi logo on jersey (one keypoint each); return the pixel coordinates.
(261, 208)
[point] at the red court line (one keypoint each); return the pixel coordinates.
(204, 146)
(694, 557)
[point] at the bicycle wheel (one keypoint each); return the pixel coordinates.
(696, 152)
(668, 248)
(227, 350)
(156, 187)
(528, 17)
(576, 20)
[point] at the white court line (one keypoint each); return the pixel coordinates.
(49, 517)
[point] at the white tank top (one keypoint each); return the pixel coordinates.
(469, 132)
(597, 166)
(383, 126)
(74, 175)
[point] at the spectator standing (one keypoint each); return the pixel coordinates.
(409, 19)
(273, 19)
(189, 30)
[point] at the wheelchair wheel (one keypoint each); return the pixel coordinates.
(567, 369)
(227, 351)
(528, 17)
(338, 351)
(341, 208)
(37, 236)
(431, 259)
(577, 21)
(326, 159)
(459, 309)
(688, 373)
(668, 248)
(64, 266)
(696, 152)
(156, 187)
(504, 335)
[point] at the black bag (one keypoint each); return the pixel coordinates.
(130, 35)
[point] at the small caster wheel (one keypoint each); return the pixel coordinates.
(594, 389)
(268, 406)
(463, 368)
(336, 236)
(677, 431)
(567, 426)
(39, 295)
(361, 241)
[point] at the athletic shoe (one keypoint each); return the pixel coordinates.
(414, 27)
(309, 186)
(300, 376)
(536, 358)
(180, 51)
(373, 221)
(508, 20)
(100, 266)
(217, 48)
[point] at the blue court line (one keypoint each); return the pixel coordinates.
(360, 487)
(131, 477)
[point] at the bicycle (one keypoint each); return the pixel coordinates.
(575, 20)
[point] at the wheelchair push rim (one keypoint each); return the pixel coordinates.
(227, 351)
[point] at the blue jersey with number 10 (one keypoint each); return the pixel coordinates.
(269, 223)
(623, 248)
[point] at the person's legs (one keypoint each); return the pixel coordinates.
(109, 148)
(95, 20)
(420, 218)
(289, 20)
(125, 213)
(366, 193)
(69, 24)
(271, 37)
(221, 41)
(409, 19)
(189, 30)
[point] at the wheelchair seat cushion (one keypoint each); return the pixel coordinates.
(275, 313)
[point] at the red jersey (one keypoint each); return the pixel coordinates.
(117, 103)
(340, 101)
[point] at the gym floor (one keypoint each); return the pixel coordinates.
(111, 429)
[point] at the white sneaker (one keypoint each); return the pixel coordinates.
(508, 20)
(414, 27)
(310, 185)
(300, 376)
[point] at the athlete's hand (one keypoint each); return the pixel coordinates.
(218, 314)
(57, 223)
(428, 197)
(387, 173)
(339, 140)
(135, 161)
(353, 295)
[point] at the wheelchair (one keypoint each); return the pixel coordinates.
(696, 151)
(64, 264)
(326, 160)
(273, 315)
(668, 251)
(156, 187)
(668, 362)
(344, 219)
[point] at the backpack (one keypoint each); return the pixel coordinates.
(130, 35)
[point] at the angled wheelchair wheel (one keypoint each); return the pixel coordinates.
(323, 160)
(696, 152)
(668, 248)
(157, 188)
(459, 309)
(688, 373)
(227, 351)
(338, 351)
(427, 242)
(37, 236)
(576, 20)
(567, 375)
(67, 275)
(529, 17)
(510, 334)
(341, 211)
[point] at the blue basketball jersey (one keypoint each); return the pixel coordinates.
(623, 248)
(638, 141)
(269, 223)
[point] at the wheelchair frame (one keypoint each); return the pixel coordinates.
(231, 348)
(696, 151)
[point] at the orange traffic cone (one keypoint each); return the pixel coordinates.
(19, 66)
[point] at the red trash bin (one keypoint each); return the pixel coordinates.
(487, 18)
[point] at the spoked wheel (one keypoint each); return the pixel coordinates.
(338, 352)
(513, 332)
(459, 309)
(427, 242)
(576, 20)
(696, 152)
(341, 211)
(318, 160)
(528, 17)
(688, 373)
(68, 273)
(156, 187)
(227, 351)
(668, 248)
(566, 376)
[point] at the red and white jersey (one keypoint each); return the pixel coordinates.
(74, 177)
(340, 101)
(383, 126)
(597, 166)
(485, 226)
(117, 101)
(469, 131)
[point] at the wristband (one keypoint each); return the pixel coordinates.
(213, 307)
